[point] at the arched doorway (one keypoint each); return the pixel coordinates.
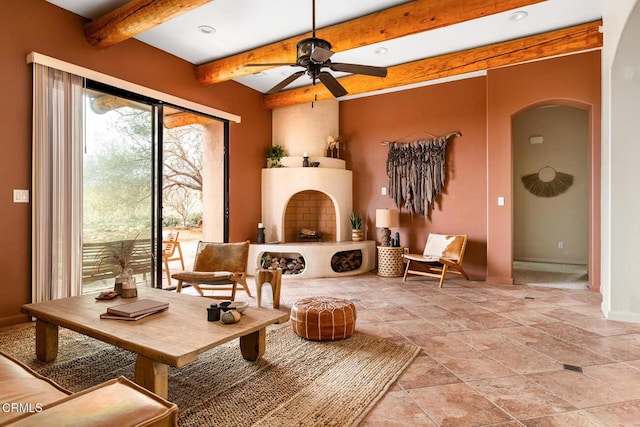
(551, 196)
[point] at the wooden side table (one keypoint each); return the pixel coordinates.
(390, 263)
(274, 278)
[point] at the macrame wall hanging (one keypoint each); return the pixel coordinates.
(547, 182)
(417, 172)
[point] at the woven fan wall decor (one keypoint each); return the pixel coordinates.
(547, 182)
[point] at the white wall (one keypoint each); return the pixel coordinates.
(620, 169)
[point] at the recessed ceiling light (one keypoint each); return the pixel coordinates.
(206, 29)
(381, 50)
(518, 16)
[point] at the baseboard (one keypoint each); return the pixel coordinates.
(13, 320)
(499, 280)
(621, 316)
(552, 261)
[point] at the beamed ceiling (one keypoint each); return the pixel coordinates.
(428, 40)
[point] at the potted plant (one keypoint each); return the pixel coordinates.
(275, 153)
(357, 234)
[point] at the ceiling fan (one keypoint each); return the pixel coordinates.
(313, 55)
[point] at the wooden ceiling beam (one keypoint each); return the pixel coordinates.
(134, 18)
(410, 18)
(555, 43)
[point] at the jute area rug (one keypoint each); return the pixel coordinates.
(296, 383)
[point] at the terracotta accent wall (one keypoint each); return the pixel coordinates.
(411, 115)
(312, 210)
(570, 80)
(35, 25)
(479, 162)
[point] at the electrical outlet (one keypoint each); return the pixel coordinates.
(560, 245)
(383, 190)
(406, 250)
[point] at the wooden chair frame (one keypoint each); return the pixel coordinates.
(437, 260)
(217, 267)
(169, 248)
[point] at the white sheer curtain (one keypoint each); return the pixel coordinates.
(57, 184)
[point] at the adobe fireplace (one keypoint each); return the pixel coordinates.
(318, 199)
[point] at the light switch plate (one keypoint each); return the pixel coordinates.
(501, 201)
(20, 196)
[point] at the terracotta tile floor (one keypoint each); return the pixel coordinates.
(492, 354)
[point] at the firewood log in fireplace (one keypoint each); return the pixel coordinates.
(305, 234)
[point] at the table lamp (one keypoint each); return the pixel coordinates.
(386, 219)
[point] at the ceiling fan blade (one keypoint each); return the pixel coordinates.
(320, 54)
(332, 84)
(368, 70)
(270, 64)
(285, 82)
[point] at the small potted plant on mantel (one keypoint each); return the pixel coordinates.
(357, 234)
(275, 153)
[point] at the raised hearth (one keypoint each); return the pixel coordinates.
(318, 257)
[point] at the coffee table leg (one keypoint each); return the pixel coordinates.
(253, 345)
(152, 375)
(46, 340)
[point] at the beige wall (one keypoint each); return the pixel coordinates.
(540, 223)
(303, 128)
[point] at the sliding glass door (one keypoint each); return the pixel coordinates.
(118, 196)
(193, 196)
(154, 184)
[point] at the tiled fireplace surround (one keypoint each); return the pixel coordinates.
(316, 198)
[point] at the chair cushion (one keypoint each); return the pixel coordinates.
(445, 246)
(21, 384)
(202, 276)
(117, 402)
(222, 256)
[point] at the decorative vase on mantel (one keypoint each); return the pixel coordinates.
(357, 235)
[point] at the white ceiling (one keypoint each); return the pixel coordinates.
(241, 25)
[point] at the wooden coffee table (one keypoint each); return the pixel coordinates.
(174, 337)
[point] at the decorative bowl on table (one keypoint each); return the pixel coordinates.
(239, 306)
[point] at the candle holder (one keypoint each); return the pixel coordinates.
(305, 161)
(260, 234)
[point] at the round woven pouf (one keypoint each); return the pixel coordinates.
(323, 318)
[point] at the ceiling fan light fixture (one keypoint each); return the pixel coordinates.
(518, 16)
(206, 29)
(306, 47)
(381, 50)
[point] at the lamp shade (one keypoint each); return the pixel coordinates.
(387, 218)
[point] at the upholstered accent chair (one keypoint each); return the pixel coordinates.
(443, 253)
(217, 267)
